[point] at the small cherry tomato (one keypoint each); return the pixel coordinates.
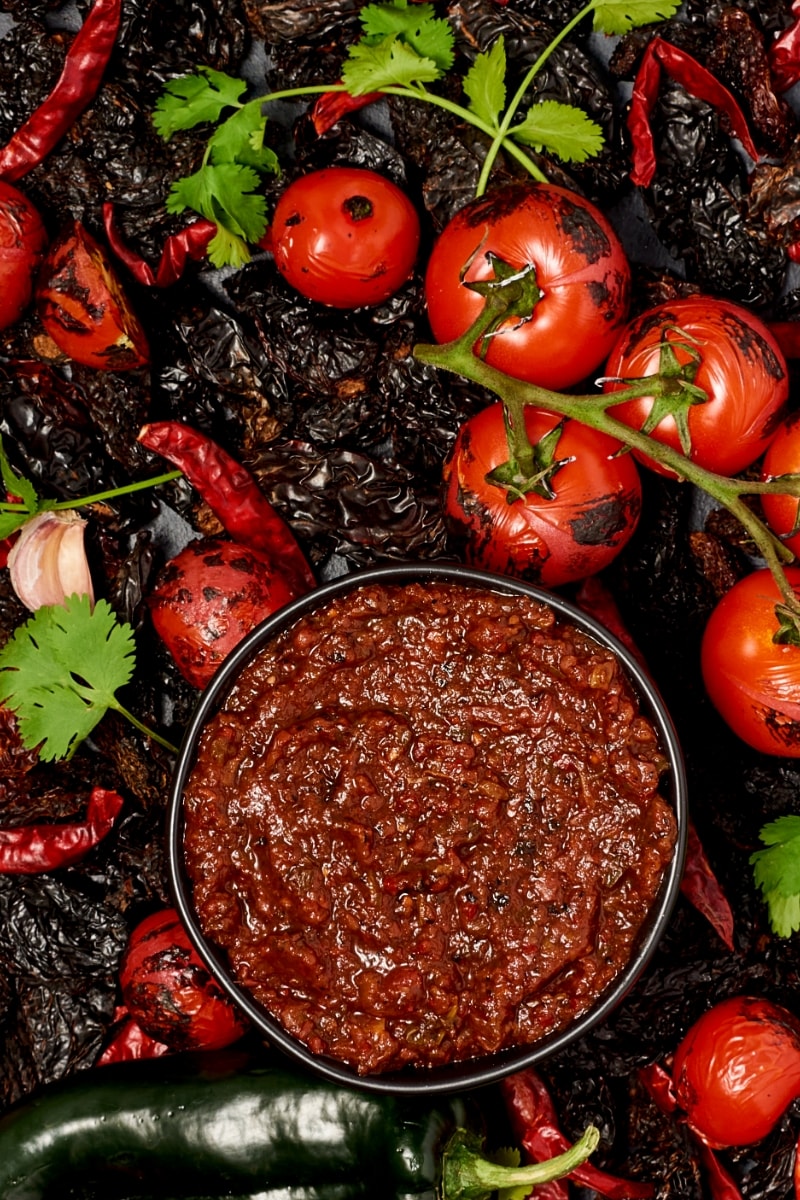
(737, 1070)
(593, 511)
(208, 597)
(783, 458)
(724, 350)
(345, 237)
(23, 240)
(753, 681)
(169, 991)
(83, 308)
(580, 274)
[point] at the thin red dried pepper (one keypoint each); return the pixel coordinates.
(332, 106)
(702, 888)
(233, 495)
(660, 1087)
(29, 849)
(81, 75)
(784, 54)
(190, 244)
(535, 1125)
(690, 74)
(722, 1184)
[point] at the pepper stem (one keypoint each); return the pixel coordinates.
(468, 1175)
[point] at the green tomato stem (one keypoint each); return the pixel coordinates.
(468, 1175)
(460, 358)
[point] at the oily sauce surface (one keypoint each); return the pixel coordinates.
(427, 825)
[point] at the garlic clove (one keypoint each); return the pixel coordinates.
(48, 561)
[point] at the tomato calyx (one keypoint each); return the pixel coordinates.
(511, 292)
(530, 468)
(678, 392)
(787, 633)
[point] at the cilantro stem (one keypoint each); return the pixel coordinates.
(150, 733)
(140, 486)
(500, 136)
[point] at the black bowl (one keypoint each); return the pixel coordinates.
(473, 1072)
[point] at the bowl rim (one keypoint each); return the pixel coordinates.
(474, 1072)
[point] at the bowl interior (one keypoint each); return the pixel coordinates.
(472, 1072)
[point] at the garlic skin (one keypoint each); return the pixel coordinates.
(48, 561)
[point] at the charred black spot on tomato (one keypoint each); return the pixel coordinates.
(212, 593)
(785, 732)
(499, 204)
(752, 345)
(582, 230)
(358, 208)
(605, 521)
(295, 219)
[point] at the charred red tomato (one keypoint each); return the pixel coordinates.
(737, 1070)
(208, 597)
(592, 512)
(83, 308)
(715, 346)
(22, 245)
(345, 237)
(577, 268)
(783, 458)
(169, 991)
(753, 681)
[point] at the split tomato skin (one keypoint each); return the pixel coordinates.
(346, 237)
(83, 307)
(742, 370)
(23, 241)
(169, 991)
(737, 1070)
(581, 269)
(783, 458)
(754, 682)
(545, 541)
(208, 597)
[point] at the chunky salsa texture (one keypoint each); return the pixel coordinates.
(427, 824)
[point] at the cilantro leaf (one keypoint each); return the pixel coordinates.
(485, 83)
(60, 670)
(559, 129)
(224, 193)
(240, 139)
(776, 871)
(619, 16)
(416, 25)
(196, 99)
(17, 485)
(390, 63)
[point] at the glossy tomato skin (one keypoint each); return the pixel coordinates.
(737, 1070)
(345, 236)
(83, 307)
(743, 372)
(23, 240)
(169, 991)
(581, 271)
(752, 681)
(547, 541)
(783, 458)
(208, 597)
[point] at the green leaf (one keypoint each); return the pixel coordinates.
(225, 194)
(485, 84)
(776, 871)
(619, 16)
(60, 671)
(509, 1156)
(10, 522)
(416, 25)
(196, 99)
(227, 250)
(240, 139)
(390, 63)
(17, 485)
(560, 129)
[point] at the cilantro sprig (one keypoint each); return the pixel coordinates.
(27, 503)
(776, 870)
(402, 50)
(60, 672)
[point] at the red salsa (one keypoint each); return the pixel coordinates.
(427, 824)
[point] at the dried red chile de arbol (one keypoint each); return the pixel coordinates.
(28, 849)
(188, 245)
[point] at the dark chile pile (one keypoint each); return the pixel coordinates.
(347, 432)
